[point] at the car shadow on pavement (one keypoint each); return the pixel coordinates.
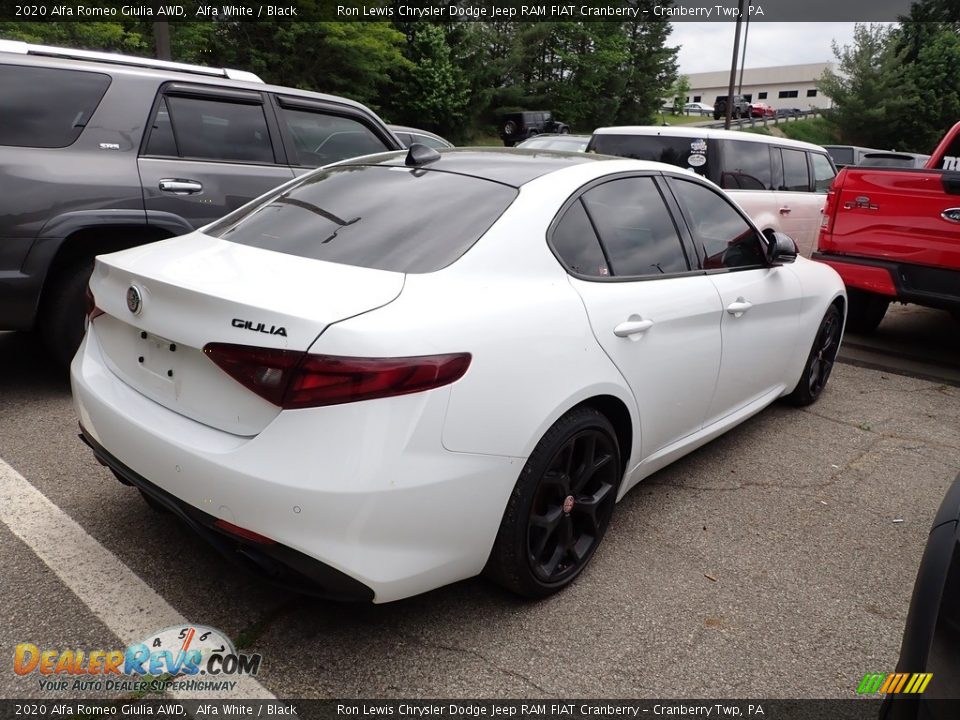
(26, 368)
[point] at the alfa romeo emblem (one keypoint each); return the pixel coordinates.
(134, 299)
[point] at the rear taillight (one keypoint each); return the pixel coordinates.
(292, 379)
(92, 311)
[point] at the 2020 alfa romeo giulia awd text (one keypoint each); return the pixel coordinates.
(411, 368)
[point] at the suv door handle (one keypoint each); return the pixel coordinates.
(180, 187)
(785, 210)
(632, 327)
(739, 307)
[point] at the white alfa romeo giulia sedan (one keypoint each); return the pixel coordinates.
(411, 368)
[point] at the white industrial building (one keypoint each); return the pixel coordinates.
(786, 86)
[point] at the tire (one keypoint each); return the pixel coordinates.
(509, 128)
(865, 310)
(62, 311)
(560, 508)
(531, 133)
(716, 116)
(564, 130)
(823, 354)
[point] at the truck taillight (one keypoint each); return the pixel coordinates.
(293, 379)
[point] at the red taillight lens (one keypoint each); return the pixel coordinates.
(297, 380)
(92, 310)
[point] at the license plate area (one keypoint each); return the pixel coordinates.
(159, 358)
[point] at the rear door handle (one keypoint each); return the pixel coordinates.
(785, 210)
(739, 307)
(951, 214)
(632, 327)
(180, 187)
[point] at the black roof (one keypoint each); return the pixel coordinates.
(512, 167)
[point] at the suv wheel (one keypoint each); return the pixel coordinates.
(62, 311)
(509, 128)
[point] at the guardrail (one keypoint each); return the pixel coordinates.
(781, 116)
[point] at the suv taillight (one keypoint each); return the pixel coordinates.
(291, 379)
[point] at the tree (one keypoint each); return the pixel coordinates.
(873, 98)
(681, 91)
(431, 91)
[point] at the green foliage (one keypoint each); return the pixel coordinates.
(871, 95)
(680, 92)
(898, 87)
(430, 92)
(818, 131)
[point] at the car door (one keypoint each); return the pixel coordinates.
(318, 133)
(208, 151)
(798, 206)
(761, 304)
(655, 319)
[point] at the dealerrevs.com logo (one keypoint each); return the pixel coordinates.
(185, 657)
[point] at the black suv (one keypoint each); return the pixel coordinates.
(517, 127)
(741, 107)
(100, 152)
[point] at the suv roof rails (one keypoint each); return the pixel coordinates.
(23, 48)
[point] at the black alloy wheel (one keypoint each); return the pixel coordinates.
(572, 506)
(822, 357)
(560, 507)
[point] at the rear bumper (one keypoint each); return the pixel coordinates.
(906, 282)
(361, 500)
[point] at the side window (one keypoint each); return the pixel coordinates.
(428, 141)
(320, 138)
(635, 228)
(162, 141)
(823, 172)
(45, 107)
(576, 243)
(796, 176)
(406, 138)
(220, 130)
(746, 166)
(725, 238)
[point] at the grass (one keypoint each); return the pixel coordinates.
(815, 130)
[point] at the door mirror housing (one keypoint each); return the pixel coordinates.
(781, 248)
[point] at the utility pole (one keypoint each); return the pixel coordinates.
(733, 67)
(743, 58)
(161, 40)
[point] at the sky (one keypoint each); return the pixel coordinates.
(706, 47)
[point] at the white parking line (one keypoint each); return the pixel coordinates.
(113, 592)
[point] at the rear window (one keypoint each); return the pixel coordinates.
(685, 152)
(381, 217)
(841, 155)
(47, 107)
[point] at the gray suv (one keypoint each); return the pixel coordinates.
(100, 152)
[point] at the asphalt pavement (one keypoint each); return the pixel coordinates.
(777, 561)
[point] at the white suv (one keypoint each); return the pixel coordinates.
(780, 183)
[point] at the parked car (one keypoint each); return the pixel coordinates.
(518, 126)
(698, 108)
(741, 107)
(789, 112)
(781, 183)
(932, 633)
(409, 135)
(568, 143)
(762, 110)
(844, 155)
(407, 369)
(893, 159)
(891, 233)
(100, 152)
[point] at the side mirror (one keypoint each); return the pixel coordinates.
(781, 248)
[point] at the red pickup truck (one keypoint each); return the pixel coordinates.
(893, 234)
